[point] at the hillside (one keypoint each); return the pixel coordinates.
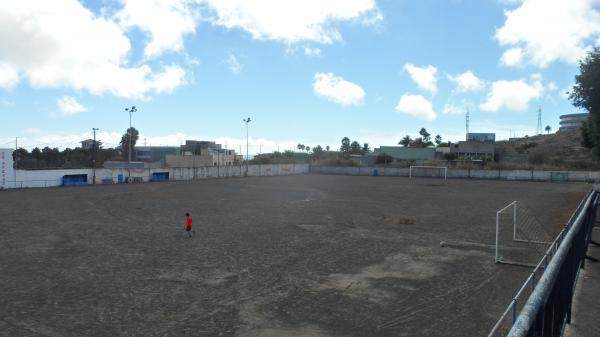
(561, 150)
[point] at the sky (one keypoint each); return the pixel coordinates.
(304, 71)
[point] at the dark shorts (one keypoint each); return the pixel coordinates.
(188, 228)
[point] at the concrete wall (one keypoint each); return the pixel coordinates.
(49, 178)
(7, 174)
(525, 175)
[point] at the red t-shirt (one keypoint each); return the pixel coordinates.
(189, 222)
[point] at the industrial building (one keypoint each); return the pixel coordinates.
(572, 121)
(481, 137)
(154, 153)
(473, 150)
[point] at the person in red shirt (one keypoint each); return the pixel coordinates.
(188, 225)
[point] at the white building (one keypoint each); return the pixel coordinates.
(7, 173)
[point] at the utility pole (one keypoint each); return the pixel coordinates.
(94, 156)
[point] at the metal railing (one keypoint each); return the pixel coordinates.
(544, 300)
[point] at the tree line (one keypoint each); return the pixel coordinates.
(78, 157)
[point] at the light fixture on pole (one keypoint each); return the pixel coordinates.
(247, 120)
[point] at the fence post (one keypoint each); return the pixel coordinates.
(514, 311)
(515, 221)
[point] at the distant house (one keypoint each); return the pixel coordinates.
(408, 153)
(87, 144)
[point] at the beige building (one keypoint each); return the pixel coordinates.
(224, 158)
(202, 153)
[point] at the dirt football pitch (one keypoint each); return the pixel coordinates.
(294, 256)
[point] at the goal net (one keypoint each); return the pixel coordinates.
(520, 238)
(428, 171)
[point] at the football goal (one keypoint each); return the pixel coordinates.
(428, 171)
(520, 238)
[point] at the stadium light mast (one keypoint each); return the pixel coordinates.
(131, 111)
(247, 120)
(94, 155)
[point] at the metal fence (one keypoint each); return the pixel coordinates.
(543, 303)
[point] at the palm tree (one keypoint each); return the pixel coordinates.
(548, 128)
(405, 141)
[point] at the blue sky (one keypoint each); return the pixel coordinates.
(306, 72)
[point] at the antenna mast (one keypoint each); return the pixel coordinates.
(539, 121)
(467, 116)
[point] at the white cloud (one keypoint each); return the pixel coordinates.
(61, 43)
(9, 77)
(513, 57)
(417, 106)
(453, 109)
(512, 95)
(510, 2)
(552, 86)
(544, 31)
(258, 145)
(33, 130)
(234, 65)
(165, 21)
(467, 82)
(424, 77)
(308, 51)
(338, 90)
(292, 21)
(69, 106)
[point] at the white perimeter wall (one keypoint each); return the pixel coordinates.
(7, 173)
(531, 175)
(49, 178)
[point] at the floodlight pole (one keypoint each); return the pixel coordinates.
(131, 111)
(247, 120)
(94, 155)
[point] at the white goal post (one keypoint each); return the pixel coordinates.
(441, 171)
(523, 227)
(508, 207)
